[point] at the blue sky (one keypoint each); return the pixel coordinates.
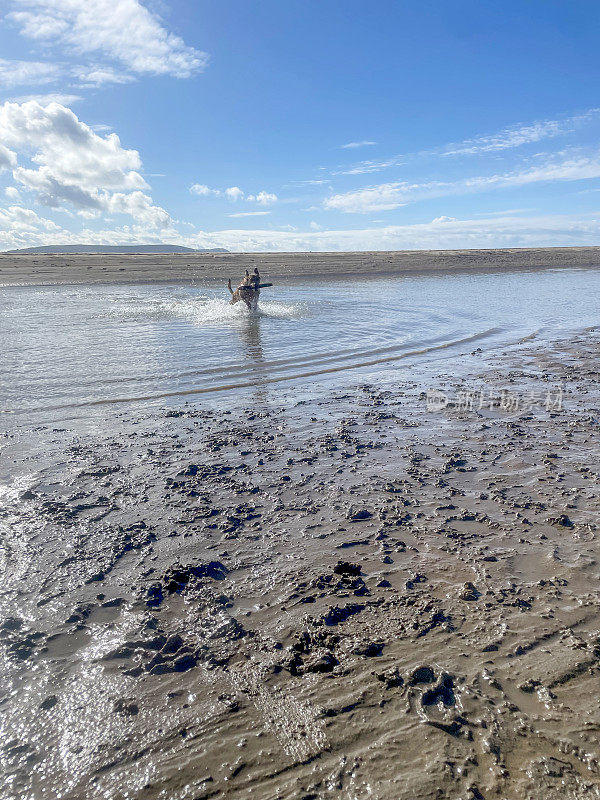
(300, 124)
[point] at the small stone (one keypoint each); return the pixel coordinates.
(469, 592)
(360, 514)
(562, 520)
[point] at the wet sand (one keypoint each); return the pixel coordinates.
(353, 597)
(217, 267)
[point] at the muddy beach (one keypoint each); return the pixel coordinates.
(35, 269)
(371, 594)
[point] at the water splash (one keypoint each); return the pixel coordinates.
(203, 310)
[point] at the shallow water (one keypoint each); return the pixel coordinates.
(68, 348)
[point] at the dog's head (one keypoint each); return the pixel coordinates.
(251, 280)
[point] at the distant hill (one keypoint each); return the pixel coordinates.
(90, 249)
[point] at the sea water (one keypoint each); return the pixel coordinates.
(69, 350)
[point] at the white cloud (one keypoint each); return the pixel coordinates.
(250, 214)
(311, 183)
(365, 167)
(26, 73)
(384, 197)
(201, 189)
(506, 212)
(518, 135)
(8, 158)
(92, 76)
(46, 99)
(234, 193)
(572, 169)
(12, 193)
(25, 218)
(262, 198)
(353, 145)
(123, 30)
(388, 196)
(21, 226)
(73, 166)
(140, 207)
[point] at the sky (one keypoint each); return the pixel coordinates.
(285, 125)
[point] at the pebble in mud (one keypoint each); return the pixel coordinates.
(469, 592)
(358, 515)
(562, 520)
(391, 678)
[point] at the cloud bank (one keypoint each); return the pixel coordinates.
(22, 228)
(388, 196)
(71, 166)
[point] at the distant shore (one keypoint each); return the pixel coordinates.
(35, 269)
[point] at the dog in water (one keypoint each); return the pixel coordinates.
(248, 290)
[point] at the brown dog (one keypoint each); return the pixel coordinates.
(248, 290)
